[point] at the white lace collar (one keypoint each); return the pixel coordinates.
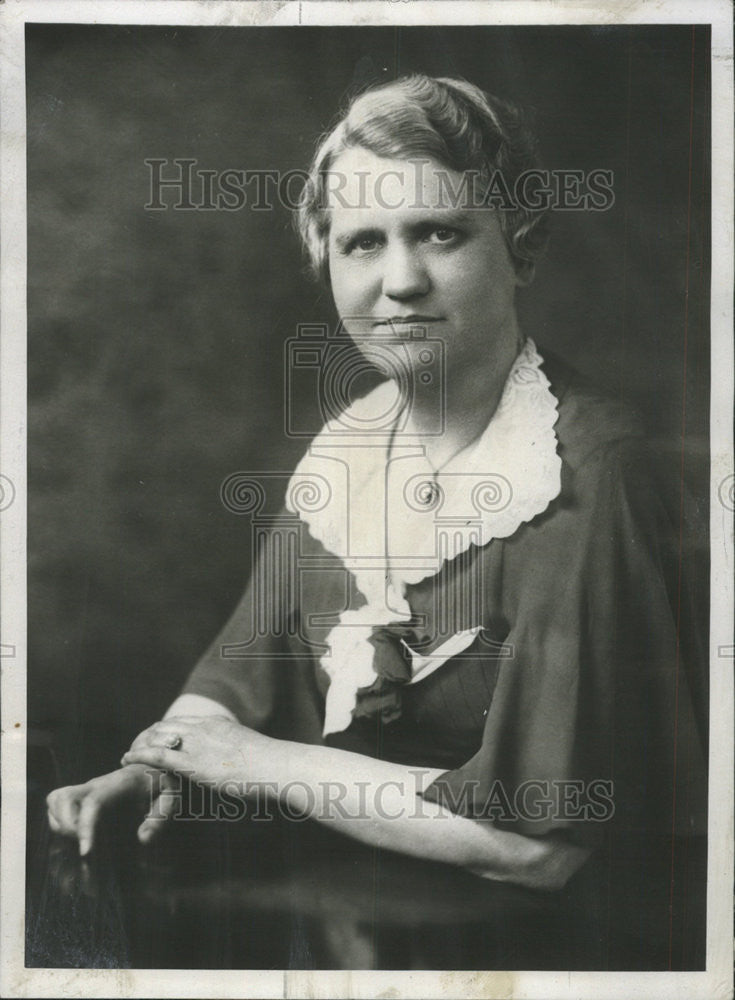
(363, 496)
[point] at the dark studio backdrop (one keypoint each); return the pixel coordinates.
(156, 339)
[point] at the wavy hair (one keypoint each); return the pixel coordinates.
(450, 121)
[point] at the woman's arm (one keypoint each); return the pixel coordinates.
(371, 800)
(380, 803)
(197, 704)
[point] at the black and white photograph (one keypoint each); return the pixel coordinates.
(367, 500)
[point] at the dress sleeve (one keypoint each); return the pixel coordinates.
(591, 725)
(259, 666)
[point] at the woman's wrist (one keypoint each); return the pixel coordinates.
(266, 763)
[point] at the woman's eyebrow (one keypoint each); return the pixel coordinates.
(343, 240)
(437, 218)
(442, 217)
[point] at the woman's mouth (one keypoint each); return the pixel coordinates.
(401, 322)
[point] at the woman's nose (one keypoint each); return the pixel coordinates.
(405, 275)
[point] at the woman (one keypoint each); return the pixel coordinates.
(481, 655)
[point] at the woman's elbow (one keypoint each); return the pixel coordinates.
(559, 862)
(545, 865)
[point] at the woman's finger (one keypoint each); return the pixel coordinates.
(188, 720)
(158, 741)
(63, 804)
(88, 815)
(161, 811)
(53, 822)
(51, 804)
(145, 738)
(161, 757)
(160, 734)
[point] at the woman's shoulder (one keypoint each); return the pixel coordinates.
(591, 418)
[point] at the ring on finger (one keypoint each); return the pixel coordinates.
(173, 742)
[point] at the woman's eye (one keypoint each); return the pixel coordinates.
(443, 236)
(363, 245)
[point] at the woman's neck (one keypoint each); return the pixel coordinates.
(470, 398)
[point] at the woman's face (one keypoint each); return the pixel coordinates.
(406, 262)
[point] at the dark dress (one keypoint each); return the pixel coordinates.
(573, 712)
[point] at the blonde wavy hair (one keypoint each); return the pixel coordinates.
(450, 121)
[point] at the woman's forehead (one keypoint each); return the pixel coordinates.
(359, 179)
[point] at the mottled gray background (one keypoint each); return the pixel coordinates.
(156, 339)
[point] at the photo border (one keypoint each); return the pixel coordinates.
(18, 981)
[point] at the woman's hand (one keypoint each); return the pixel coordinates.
(212, 751)
(76, 810)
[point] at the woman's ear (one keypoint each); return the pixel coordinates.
(524, 274)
